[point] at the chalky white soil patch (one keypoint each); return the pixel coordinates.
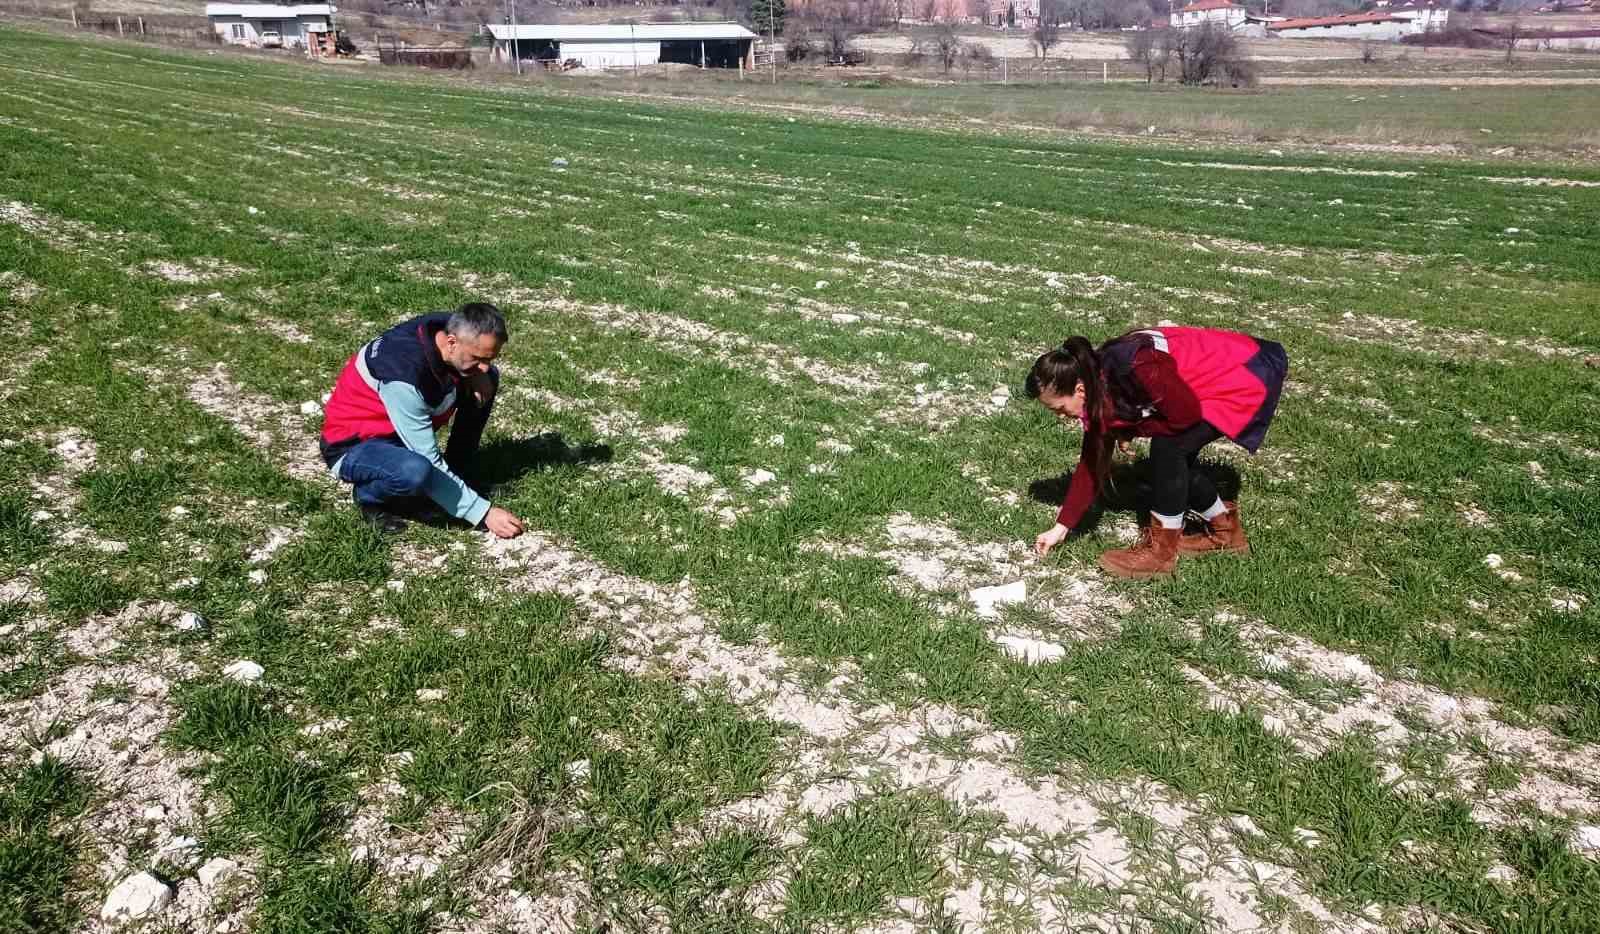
(611, 421)
(1558, 776)
(1539, 182)
(1387, 502)
(1299, 169)
(18, 288)
(1411, 334)
(143, 795)
(934, 559)
(197, 270)
(66, 235)
(938, 405)
(56, 498)
(270, 426)
(665, 629)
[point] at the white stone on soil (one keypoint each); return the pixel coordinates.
(244, 670)
(138, 896)
(578, 770)
(1243, 824)
(430, 694)
(1309, 839)
(216, 871)
(179, 852)
(1274, 725)
(155, 812)
(757, 478)
(986, 599)
(309, 408)
(1032, 651)
(1359, 669)
(189, 621)
(1586, 837)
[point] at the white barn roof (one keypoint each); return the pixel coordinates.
(269, 10)
(647, 32)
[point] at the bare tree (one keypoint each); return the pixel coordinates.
(1514, 31)
(1047, 32)
(1151, 48)
(1207, 54)
(947, 46)
(839, 38)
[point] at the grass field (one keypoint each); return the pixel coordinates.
(1392, 112)
(761, 411)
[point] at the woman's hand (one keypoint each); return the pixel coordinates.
(1049, 539)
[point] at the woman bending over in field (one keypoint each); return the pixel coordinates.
(1181, 387)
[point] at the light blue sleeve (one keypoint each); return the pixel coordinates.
(409, 415)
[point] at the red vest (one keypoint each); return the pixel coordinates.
(405, 353)
(1236, 378)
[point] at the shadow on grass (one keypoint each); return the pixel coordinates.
(508, 459)
(500, 462)
(1127, 491)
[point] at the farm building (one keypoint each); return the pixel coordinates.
(1382, 27)
(272, 25)
(1223, 13)
(710, 45)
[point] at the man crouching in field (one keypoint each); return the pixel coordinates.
(378, 426)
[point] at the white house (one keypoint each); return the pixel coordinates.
(1220, 13)
(1423, 18)
(1022, 14)
(270, 25)
(710, 45)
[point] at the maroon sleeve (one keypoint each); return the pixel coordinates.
(1081, 491)
(1170, 395)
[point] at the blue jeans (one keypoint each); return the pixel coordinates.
(383, 469)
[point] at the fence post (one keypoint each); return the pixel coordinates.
(120, 33)
(141, 25)
(74, 17)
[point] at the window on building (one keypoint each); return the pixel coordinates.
(238, 30)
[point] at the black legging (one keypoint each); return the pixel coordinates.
(1174, 481)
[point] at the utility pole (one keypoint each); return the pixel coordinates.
(772, 37)
(511, 18)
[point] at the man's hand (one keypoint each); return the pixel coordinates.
(1049, 539)
(502, 523)
(482, 388)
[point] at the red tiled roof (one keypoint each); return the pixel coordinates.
(1200, 6)
(1348, 19)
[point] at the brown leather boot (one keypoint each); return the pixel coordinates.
(1155, 554)
(1224, 533)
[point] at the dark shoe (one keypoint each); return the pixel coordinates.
(1155, 554)
(378, 517)
(417, 509)
(1224, 533)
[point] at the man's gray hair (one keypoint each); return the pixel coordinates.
(477, 318)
